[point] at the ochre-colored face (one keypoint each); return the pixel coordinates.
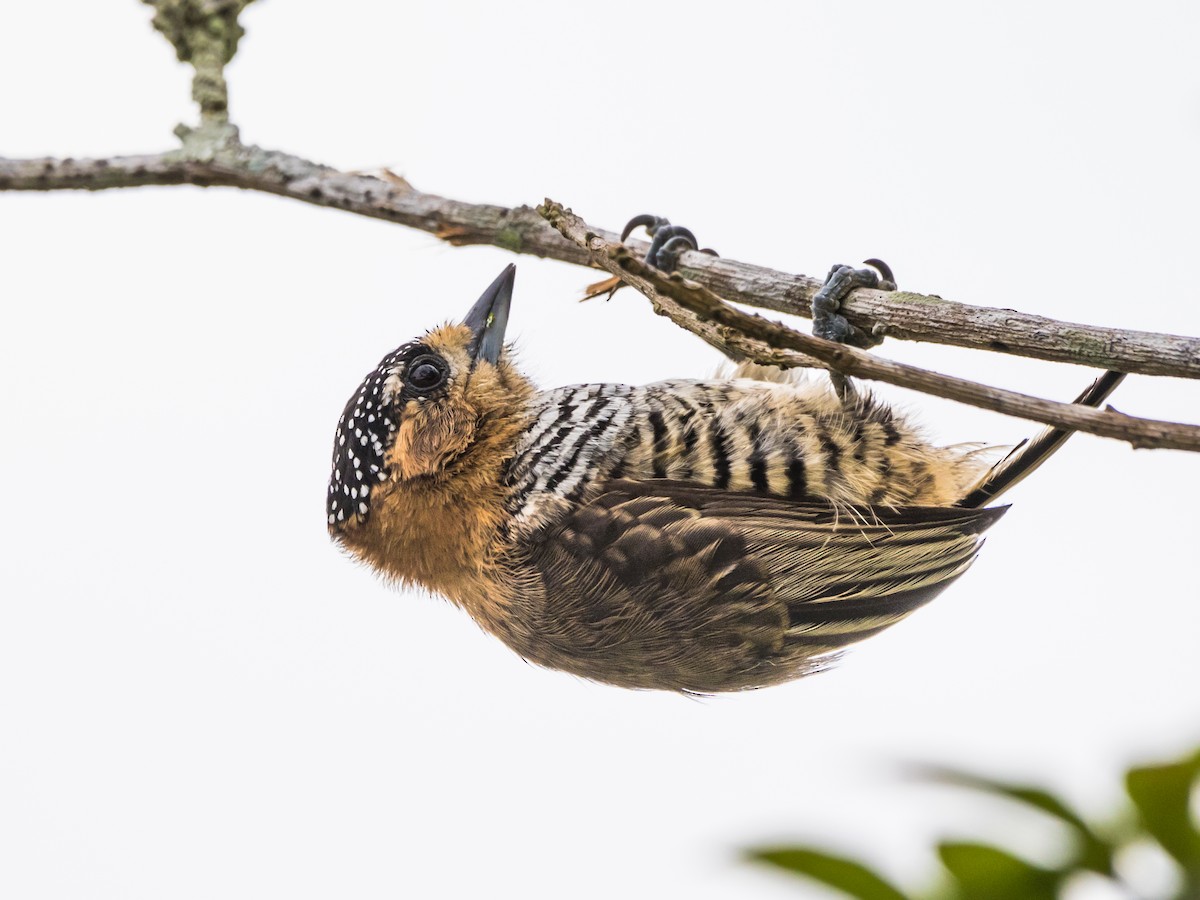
(416, 417)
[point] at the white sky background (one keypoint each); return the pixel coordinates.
(199, 697)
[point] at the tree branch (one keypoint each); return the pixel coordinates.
(688, 303)
(205, 33)
(213, 156)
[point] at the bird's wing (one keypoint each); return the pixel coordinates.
(717, 590)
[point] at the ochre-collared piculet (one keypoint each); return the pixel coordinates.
(688, 535)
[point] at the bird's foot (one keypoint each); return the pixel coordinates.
(830, 324)
(667, 241)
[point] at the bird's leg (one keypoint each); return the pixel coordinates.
(667, 241)
(831, 325)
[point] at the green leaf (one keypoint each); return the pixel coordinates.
(1095, 853)
(837, 872)
(1162, 795)
(988, 873)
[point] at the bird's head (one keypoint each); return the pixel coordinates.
(433, 409)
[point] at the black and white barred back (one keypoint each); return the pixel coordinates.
(778, 437)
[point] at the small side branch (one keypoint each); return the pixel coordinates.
(204, 33)
(686, 302)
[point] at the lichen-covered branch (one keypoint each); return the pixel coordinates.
(226, 162)
(687, 302)
(229, 163)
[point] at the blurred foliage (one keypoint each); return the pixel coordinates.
(1157, 812)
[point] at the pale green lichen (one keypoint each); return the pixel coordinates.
(1086, 347)
(910, 297)
(510, 239)
(206, 142)
(205, 33)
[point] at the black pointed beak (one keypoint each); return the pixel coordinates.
(489, 317)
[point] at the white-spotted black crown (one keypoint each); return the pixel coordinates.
(364, 432)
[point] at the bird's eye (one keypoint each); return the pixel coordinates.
(426, 373)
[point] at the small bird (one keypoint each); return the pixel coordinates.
(689, 535)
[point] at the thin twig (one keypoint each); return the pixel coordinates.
(686, 302)
(226, 162)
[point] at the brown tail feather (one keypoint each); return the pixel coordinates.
(1027, 456)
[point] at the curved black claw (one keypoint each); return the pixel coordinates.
(887, 281)
(667, 241)
(828, 323)
(652, 224)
